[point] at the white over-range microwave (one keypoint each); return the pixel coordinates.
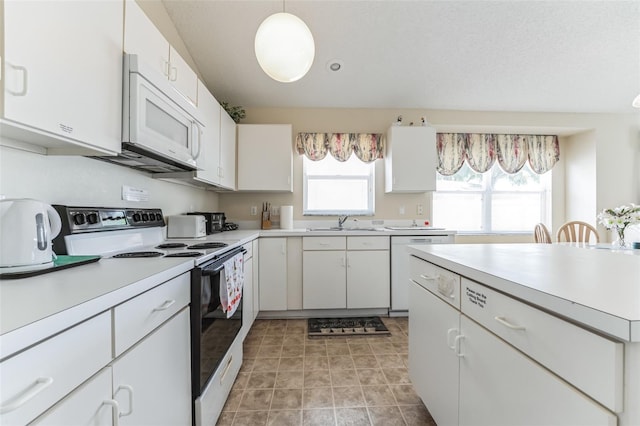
(159, 130)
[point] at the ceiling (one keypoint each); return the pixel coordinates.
(518, 55)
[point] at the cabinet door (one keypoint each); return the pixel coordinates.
(410, 160)
(247, 297)
(324, 280)
(88, 405)
(273, 274)
(182, 77)
(433, 363)
(265, 157)
(63, 69)
(227, 170)
(256, 278)
(141, 37)
(157, 373)
(209, 159)
(368, 279)
(501, 386)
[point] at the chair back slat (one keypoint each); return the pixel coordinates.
(577, 232)
(541, 234)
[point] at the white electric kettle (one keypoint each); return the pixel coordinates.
(27, 228)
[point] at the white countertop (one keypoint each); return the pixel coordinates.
(596, 287)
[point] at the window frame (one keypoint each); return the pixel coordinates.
(486, 195)
(370, 179)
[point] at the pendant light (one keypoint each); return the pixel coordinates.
(636, 102)
(284, 47)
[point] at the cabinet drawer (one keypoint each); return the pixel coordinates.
(137, 317)
(587, 360)
(444, 284)
(324, 243)
(37, 378)
(367, 243)
(209, 405)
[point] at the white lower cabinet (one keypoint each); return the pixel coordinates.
(467, 375)
(345, 272)
(501, 386)
(36, 379)
(256, 278)
(152, 381)
(247, 291)
(89, 405)
(433, 363)
(273, 274)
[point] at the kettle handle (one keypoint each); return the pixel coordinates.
(54, 220)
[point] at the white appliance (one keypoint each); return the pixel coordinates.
(160, 132)
(186, 226)
(400, 267)
(26, 230)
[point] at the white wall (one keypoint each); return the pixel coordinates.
(580, 177)
(80, 181)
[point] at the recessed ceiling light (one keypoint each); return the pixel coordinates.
(334, 65)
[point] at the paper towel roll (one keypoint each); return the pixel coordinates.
(286, 217)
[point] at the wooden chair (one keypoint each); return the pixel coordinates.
(541, 234)
(577, 232)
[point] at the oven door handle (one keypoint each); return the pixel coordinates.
(208, 271)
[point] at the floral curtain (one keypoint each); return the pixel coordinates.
(368, 147)
(482, 150)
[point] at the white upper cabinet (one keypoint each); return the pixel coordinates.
(141, 37)
(410, 159)
(209, 159)
(227, 168)
(265, 157)
(62, 76)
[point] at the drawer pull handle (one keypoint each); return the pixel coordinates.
(129, 389)
(166, 305)
(507, 324)
(40, 384)
(115, 407)
(456, 345)
(446, 293)
(25, 79)
(226, 369)
(449, 344)
(428, 278)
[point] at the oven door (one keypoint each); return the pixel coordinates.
(212, 333)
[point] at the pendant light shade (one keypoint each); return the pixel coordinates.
(284, 47)
(636, 102)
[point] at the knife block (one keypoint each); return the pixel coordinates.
(266, 224)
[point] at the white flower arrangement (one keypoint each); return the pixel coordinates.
(620, 217)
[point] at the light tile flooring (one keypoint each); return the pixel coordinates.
(290, 379)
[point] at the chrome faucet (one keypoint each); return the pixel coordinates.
(342, 219)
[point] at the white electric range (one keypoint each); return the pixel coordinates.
(118, 232)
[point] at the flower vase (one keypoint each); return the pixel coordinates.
(620, 243)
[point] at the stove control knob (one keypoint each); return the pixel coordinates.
(79, 219)
(92, 218)
(136, 217)
(145, 217)
(158, 217)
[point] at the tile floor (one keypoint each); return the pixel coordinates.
(290, 379)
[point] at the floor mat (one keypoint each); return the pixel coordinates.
(353, 326)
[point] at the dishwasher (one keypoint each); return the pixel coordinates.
(400, 267)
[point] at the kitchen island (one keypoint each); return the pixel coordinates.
(526, 333)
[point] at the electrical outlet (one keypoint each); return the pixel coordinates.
(420, 209)
(254, 210)
(275, 211)
(401, 210)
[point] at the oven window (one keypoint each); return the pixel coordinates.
(217, 331)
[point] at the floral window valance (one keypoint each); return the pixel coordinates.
(481, 150)
(367, 147)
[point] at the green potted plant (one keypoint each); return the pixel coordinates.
(236, 113)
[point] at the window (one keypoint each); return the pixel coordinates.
(492, 202)
(332, 188)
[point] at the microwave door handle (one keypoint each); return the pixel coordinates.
(199, 127)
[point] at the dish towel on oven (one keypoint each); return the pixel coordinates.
(231, 284)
